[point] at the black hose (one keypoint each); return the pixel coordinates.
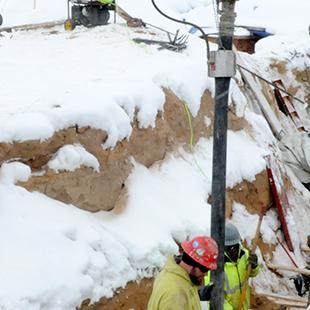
(205, 36)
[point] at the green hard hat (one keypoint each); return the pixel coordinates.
(232, 235)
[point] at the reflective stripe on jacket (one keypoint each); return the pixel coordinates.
(173, 290)
(235, 280)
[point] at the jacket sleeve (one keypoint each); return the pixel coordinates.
(255, 271)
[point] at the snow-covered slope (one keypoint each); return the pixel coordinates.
(55, 255)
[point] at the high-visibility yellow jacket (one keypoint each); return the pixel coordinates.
(173, 290)
(235, 280)
(106, 1)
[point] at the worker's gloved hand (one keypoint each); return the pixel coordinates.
(253, 260)
(205, 292)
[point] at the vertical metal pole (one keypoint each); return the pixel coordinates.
(68, 8)
(226, 29)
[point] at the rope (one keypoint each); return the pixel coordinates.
(205, 36)
(191, 138)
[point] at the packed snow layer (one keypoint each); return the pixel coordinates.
(96, 77)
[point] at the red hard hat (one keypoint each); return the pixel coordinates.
(203, 250)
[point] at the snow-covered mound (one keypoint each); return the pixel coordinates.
(53, 82)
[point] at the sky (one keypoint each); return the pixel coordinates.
(55, 255)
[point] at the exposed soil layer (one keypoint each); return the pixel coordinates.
(94, 191)
(135, 296)
(99, 191)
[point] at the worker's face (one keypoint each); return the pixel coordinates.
(197, 276)
(233, 252)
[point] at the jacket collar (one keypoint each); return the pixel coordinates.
(173, 267)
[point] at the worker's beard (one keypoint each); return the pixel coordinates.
(196, 277)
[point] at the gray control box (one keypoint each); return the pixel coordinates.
(222, 63)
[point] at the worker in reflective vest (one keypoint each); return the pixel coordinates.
(237, 259)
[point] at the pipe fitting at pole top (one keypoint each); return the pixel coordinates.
(227, 19)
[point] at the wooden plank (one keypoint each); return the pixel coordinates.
(131, 21)
(269, 114)
(305, 248)
(291, 304)
(32, 26)
(284, 297)
(288, 105)
(289, 268)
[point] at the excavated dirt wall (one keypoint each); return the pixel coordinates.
(104, 190)
(94, 191)
(136, 295)
(99, 191)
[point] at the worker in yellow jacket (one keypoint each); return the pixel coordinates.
(237, 259)
(176, 286)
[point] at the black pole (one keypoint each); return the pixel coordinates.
(219, 155)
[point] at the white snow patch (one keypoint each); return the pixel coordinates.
(71, 157)
(12, 172)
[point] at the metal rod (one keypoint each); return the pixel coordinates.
(68, 9)
(249, 268)
(287, 252)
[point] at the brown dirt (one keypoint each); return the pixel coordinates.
(134, 296)
(263, 303)
(279, 66)
(100, 191)
(252, 195)
(303, 77)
